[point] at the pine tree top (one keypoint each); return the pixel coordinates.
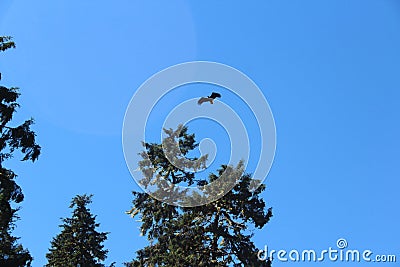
(214, 234)
(79, 243)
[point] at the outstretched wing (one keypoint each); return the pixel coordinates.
(214, 95)
(203, 99)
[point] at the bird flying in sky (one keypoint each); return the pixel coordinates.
(210, 98)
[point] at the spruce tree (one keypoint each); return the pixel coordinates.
(12, 138)
(215, 234)
(79, 243)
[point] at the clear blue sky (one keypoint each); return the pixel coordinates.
(329, 69)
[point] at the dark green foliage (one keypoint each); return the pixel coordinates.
(20, 138)
(6, 43)
(215, 234)
(79, 243)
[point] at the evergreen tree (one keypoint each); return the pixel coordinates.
(79, 243)
(20, 138)
(214, 234)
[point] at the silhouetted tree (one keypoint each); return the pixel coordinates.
(79, 243)
(20, 138)
(214, 234)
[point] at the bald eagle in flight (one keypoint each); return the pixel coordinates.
(210, 98)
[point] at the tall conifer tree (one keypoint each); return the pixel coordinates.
(215, 234)
(12, 138)
(79, 243)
